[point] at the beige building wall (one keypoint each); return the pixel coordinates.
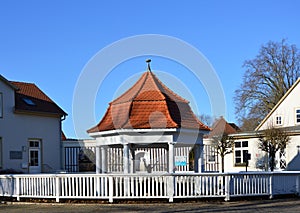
(17, 129)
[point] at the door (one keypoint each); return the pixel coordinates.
(34, 153)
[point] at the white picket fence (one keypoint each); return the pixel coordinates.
(158, 186)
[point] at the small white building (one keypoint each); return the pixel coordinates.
(30, 129)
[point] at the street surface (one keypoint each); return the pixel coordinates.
(276, 205)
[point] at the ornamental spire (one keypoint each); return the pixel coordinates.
(148, 61)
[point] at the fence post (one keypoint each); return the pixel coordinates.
(98, 187)
(57, 188)
(271, 186)
(17, 187)
(126, 185)
(227, 187)
(110, 189)
(171, 188)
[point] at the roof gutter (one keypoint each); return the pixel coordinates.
(63, 117)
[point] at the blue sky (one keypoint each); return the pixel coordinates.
(50, 42)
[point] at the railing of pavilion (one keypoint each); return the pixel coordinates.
(159, 186)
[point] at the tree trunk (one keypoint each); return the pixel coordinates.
(272, 161)
(222, 163)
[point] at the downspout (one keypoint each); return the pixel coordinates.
(62, 153)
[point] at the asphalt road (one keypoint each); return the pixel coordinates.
(276, 205)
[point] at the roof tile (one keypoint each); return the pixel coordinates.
(221, 127)
(41, 102)
(148, 104)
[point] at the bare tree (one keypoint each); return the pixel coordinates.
(206, 119)
(271, 141)
(266, 79)
(223, 145)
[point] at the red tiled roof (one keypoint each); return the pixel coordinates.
(41, 102)
(221, 127)
(148, 104)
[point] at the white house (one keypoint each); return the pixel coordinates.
(286, 115)
(30, 129)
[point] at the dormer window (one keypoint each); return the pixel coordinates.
(297, 116)
(278, 120)
(28, 101)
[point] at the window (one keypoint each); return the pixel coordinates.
(28, 101)
(1, 105)
(282, 159)
(241, 151)
(34, 157)
(34, 144)
(297, 116)
(211, 158)
(211, 154)
(278, 120)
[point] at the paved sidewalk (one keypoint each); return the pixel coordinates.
(276, 205)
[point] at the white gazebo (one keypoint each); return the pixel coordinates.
(150, 129)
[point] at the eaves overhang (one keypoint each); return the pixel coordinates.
(143, 131)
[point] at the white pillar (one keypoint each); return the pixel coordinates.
(126, 158)
(103, 159)
(98, 160)
(126, 167)
(171, 157)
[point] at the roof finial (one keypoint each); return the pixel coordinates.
(148, 62)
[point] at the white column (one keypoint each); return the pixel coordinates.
(126, 158)
(171, 157)
(98, 160)
(103, 159)
(126, 167)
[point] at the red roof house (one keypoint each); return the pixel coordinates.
(30, 133)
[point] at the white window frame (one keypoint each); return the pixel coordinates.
(241, 149)
(278, 120)
(35, 145)
(296, 115)
(282, 164)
